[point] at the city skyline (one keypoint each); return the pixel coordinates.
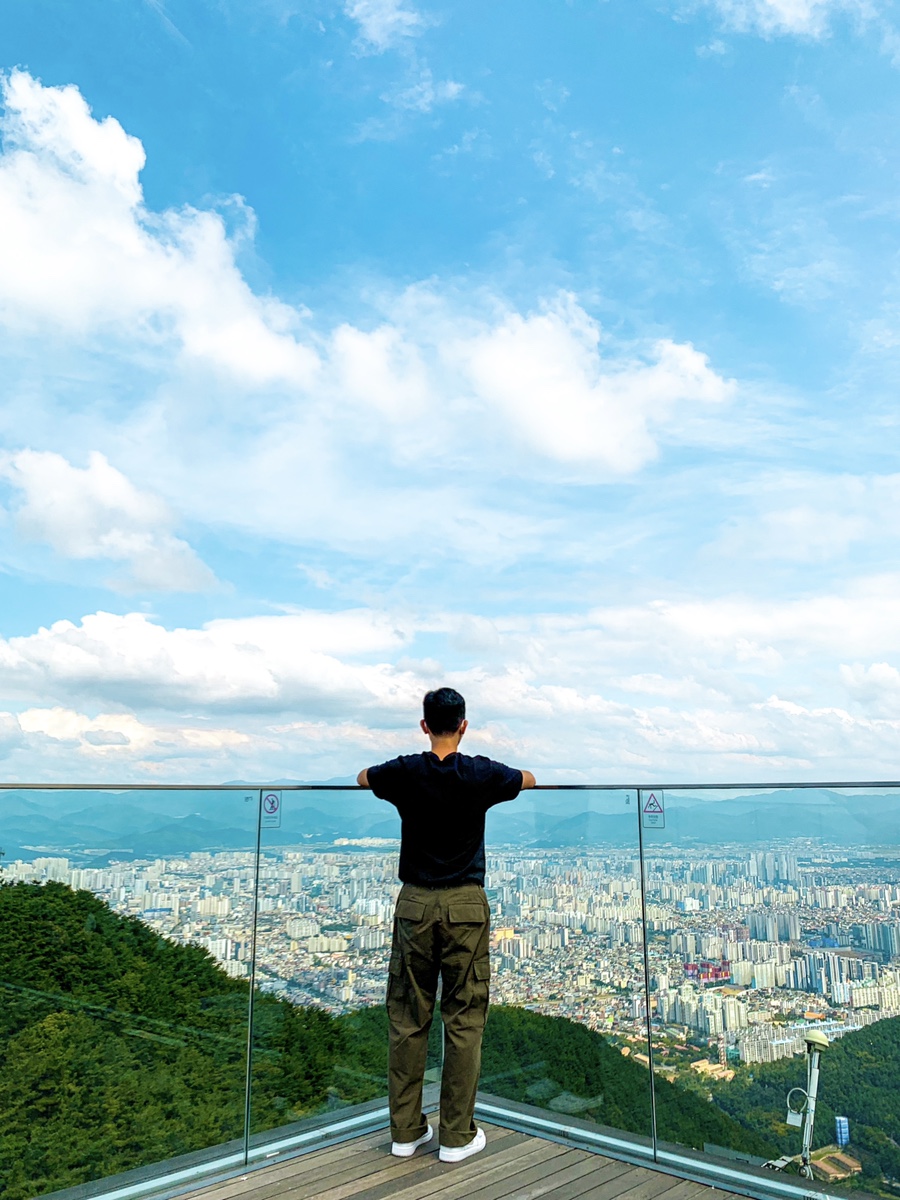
(746, 947)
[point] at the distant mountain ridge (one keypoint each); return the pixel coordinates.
(141, 823)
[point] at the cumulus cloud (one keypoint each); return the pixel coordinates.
(105, 735)
(94, 512)
(273, 663)
(258, 415)
(685, 688)
(82, 255)
(811, 18)
(544, 373)
(546, 379)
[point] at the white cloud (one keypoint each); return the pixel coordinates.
(787, 244)
(108, 735)
(10, 734)
(424, 93)
(545, 374)
(252, 414)
(876, 687)
(416, 93)
(811, 18)
(384, 24)
(46, 743)
(714, 49)
(810, 518)
(83, 256)
(542, 379)
(552, 95)
(272, 663)
(704, 689)
(96, 513)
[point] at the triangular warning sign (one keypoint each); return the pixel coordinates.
(652, 805)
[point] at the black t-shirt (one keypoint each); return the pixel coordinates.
(442, 803)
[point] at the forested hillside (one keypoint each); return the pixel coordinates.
(118, 1048)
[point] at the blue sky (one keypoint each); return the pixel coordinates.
(349, 348)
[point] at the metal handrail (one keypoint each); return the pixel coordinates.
(354, 787)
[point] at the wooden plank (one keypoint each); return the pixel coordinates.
(471, 1176)
(266, 1182)
(339, 1176)
(434, 1177)
(688, 1189)
(639, 1183)
(485, 1180)
(537, 1179)
(284, 1163)
(349, 1175)
(570, 1172)
(353, 1177)
(616, 1180)
(258, 1182)
(259, 1177)
(603, 1171)
(309, 1176)
(513, 1166)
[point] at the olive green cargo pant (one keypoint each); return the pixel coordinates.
(438, 933)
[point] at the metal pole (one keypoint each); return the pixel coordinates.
(812, 1089)
(647, 975)
(248, 1079)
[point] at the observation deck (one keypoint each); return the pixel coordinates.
(513, 1166)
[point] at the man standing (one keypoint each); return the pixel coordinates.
(441, 923)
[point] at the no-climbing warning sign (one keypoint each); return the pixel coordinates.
(270, 810)
(653, 810)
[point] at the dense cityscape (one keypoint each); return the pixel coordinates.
(746, 947)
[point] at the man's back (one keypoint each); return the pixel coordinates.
(442, 804)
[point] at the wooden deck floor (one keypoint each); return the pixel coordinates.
(514, 1166)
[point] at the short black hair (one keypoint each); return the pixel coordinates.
(444, 710)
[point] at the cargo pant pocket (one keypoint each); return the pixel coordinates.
(481, 971)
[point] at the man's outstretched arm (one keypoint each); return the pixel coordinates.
(527, 779)
(363, 778)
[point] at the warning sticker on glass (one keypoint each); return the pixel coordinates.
(653, 810)
(270, 810)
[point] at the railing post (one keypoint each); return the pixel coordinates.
(248, 1079)
(649, 1021)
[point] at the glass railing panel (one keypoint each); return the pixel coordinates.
(124, 956)
(128, 920)
(567, 1028)
(327, 886)
(775, 918)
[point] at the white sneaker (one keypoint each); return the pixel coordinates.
(458, 1153)
(405, 1149)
